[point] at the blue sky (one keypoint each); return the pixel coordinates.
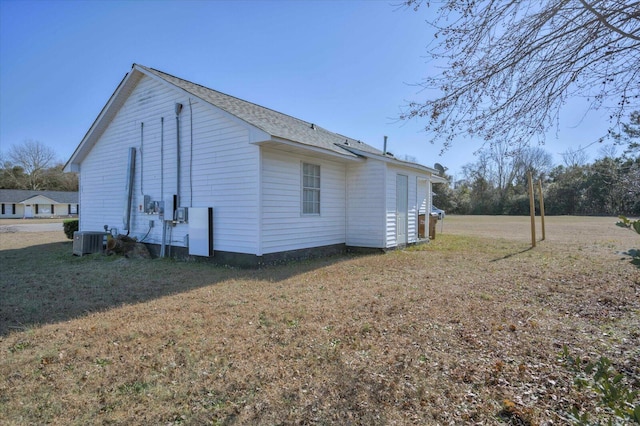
(348, 66)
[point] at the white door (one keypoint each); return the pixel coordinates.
(28, 212)
(402, 208)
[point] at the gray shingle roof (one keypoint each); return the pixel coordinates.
(15, 196)
(276, 124)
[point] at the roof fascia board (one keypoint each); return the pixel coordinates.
(438, 179)
(392, 160)
(352, 157)
(101, 122)
(33, 197)
(256, 134)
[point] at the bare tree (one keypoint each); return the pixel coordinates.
(33, 158)
(575, 157)
(505, 167)
(508, 66)
(535, 160)
(609, 150)
(505, 160)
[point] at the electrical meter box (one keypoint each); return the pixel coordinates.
(181, 214)
(151, 206)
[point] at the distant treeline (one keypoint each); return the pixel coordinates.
(496, 183)
(608, 186)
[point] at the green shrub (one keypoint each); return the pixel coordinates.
(70, 226)
(634, 253)
(617, 398)
(628, 223)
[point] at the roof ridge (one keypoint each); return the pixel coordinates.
(234, 97)
(275, 123)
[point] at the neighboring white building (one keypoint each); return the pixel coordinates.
(26, 204)
(252, 184)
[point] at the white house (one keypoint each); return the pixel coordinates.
(190, 170)
(19, 203)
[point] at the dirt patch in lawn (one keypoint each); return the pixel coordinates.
(467, 329)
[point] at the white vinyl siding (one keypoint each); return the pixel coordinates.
(13, 210)
(412, 211)
(366, 204)
(219, 168)
(310, 188)
(283, 227)
(402, 208)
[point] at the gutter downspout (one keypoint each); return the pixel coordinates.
(164, 222)
(178, 111)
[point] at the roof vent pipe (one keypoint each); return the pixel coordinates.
(384, 149)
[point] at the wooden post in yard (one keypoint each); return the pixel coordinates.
(541, 207)
(532, 207)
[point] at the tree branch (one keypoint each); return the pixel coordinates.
(606, 23)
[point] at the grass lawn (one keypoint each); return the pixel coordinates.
(468, 329)
(34, 220)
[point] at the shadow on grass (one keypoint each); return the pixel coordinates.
(512, 254)
(45, 284)
(635, 256)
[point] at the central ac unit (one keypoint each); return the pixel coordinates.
(87, 242)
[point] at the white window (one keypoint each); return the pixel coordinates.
(310, 188)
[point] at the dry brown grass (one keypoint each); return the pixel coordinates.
(33, 220)
(467, 329)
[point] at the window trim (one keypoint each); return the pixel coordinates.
(307, 189)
